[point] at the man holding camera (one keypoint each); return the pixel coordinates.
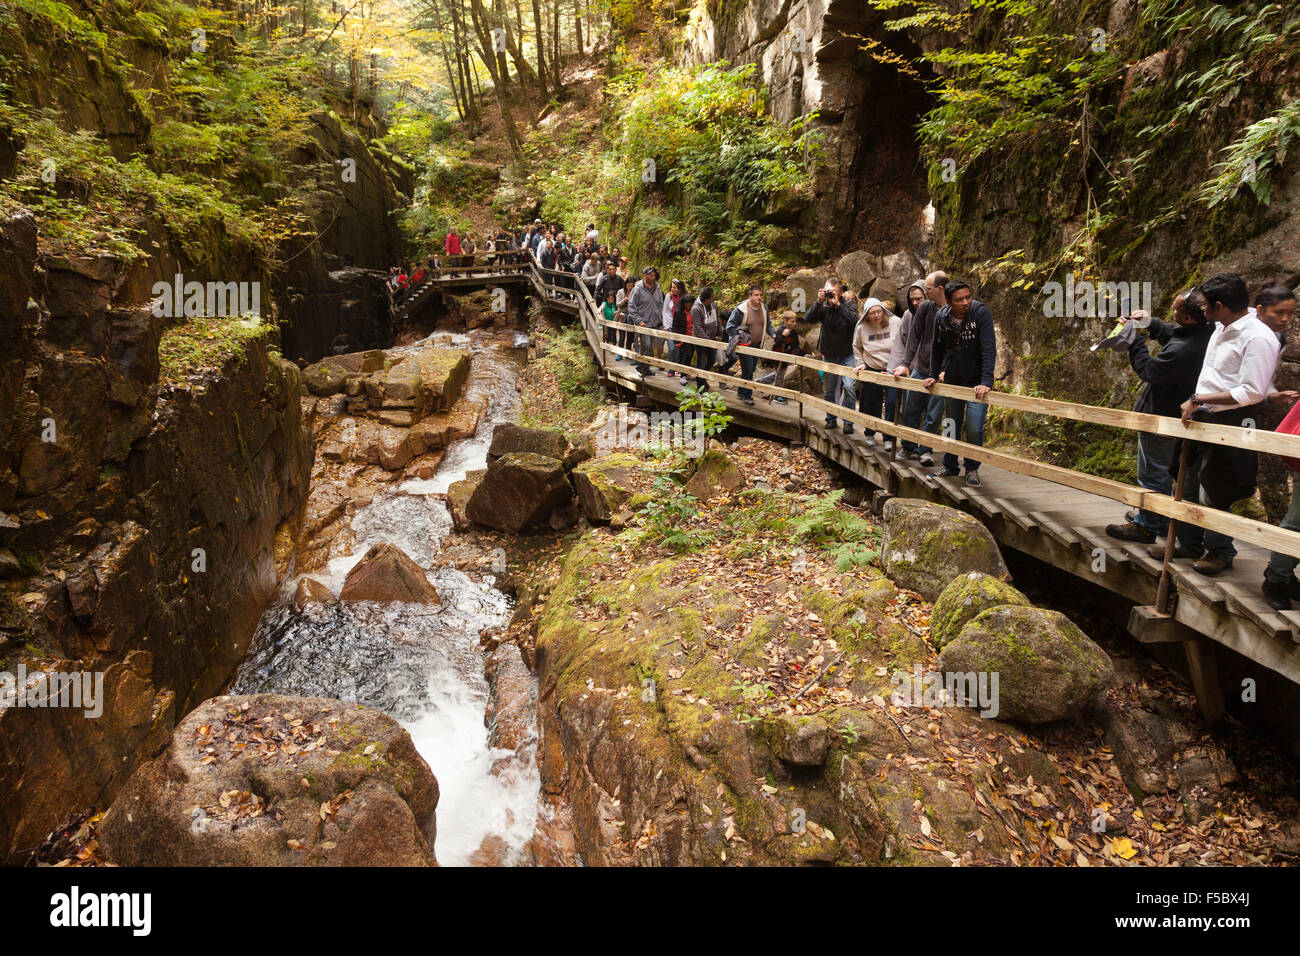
(838, 320)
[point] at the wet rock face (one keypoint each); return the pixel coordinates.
(1047, 668)
(266, 780)
(387, 574)
(870, 189)
(926, 545)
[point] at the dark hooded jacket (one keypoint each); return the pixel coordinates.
(964, 352)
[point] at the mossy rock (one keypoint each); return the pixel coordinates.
(714, 473)
(325, 378)
(798, 741)
(606, 485)
(965, 598)
(1046, 668)
(926, 545)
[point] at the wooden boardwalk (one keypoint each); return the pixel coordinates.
(1053, 522)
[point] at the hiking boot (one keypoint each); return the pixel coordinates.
(973, 477)
(1131, 531)
(830, 421)
(927, 460)
(1211, 564)
(1157, 551)
(945, 473)
(747, 401)
(1277, 595)
(913, 456)
(848, 428)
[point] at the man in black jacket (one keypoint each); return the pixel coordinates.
(838, 320)
(1170, 376)
(964, 351)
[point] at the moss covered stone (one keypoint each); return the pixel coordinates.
(926, 545)
(1046, 668)
(965, 598)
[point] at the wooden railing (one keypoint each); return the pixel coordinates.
(1246, 529)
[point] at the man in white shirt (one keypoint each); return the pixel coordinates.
(1239, 362)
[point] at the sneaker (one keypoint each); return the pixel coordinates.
(913, 456)
(871, 440)
(973, 477)
(830, 422)
(889, 444)
(618, 358)
(1131, 531)
(1212, 564)
(781, 400)
(848, 428)
(1157, 551)
(927, 460)
(747, 401)
(1277, 595)
(944, 473)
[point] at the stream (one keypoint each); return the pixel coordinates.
(421, 664)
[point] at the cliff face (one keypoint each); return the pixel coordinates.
(152, 469)
(870, 189)
(138, 543)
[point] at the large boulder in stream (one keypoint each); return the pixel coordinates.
(519, 491)
(387, 574)
(926, 545)
(511, 439)
(269, 780)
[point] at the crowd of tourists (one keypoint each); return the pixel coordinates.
(1217, 356)
(1214, 361)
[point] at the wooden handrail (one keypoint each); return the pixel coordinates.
(1247, 529)
(1251, 439)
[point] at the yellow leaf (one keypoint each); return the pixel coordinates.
(1124, 848)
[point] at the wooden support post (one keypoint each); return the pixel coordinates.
(1203, 668)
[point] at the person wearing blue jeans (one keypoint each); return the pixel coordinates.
(965, 347)
(837, 319)
(924, 412)
(1280, 584)
(972, 415)
(848, 389)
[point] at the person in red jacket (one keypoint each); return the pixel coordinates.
(453, 248)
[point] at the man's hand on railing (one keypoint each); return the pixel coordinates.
(902, 372)
(981, 391)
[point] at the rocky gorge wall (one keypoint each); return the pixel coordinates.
(141, 541)
(152, 469)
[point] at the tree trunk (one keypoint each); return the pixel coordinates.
(577, 26)
(483, 27)
(540, 26)
(556, 40)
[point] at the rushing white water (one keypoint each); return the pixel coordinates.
(418, 663)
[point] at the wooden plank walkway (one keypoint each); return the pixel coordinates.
(1060, 525)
